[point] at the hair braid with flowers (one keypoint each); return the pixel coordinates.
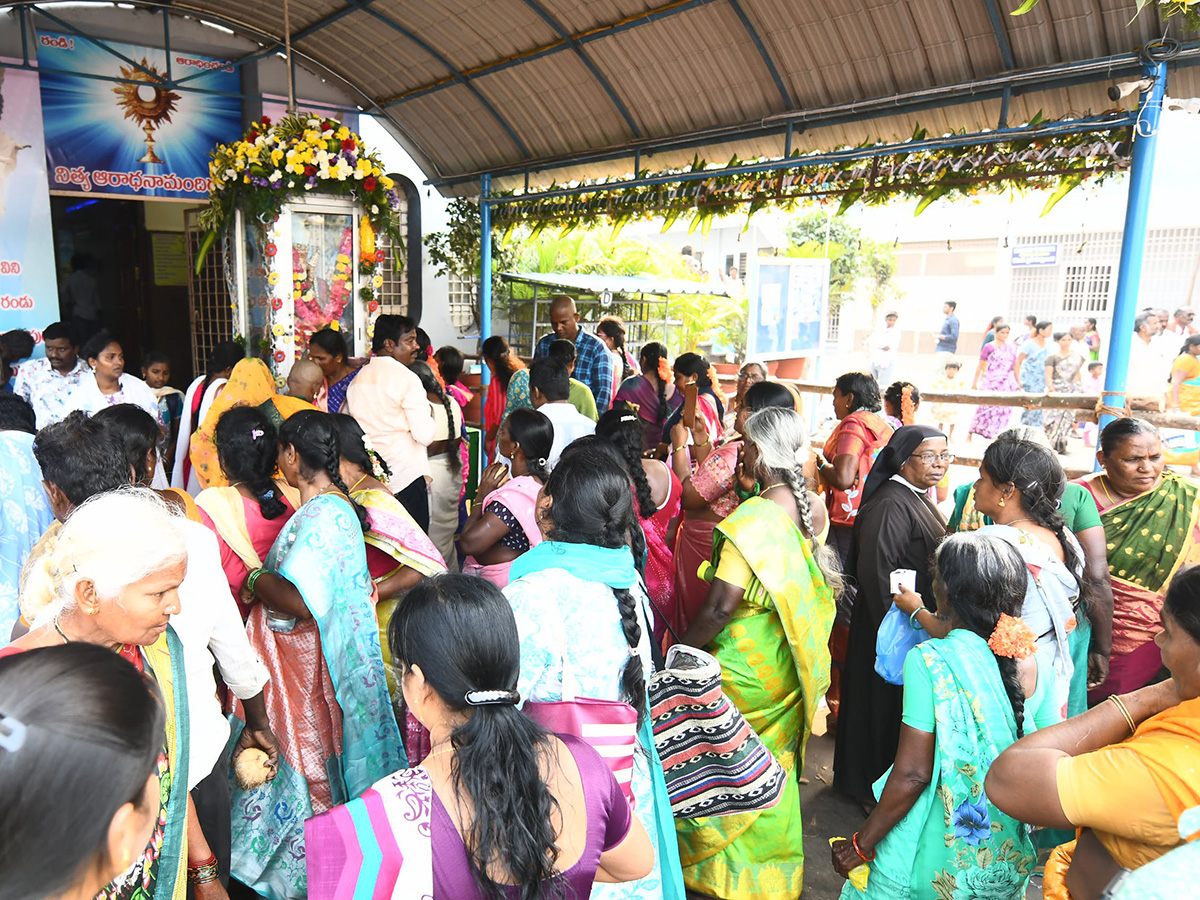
(982, 579)
(654, 355)
(904, 397)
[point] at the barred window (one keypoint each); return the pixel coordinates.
(464, 302)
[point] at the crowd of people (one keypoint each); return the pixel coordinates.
(261, 640)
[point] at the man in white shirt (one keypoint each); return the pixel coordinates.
(1181, 324)
(390, 404)
(48, 384)
(1149, 369)
(550, 388)
(884, 346)
(81, 457)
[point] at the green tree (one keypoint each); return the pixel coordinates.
(456, 251)
(809, 236)
(854, 260)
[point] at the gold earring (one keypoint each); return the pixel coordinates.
(1002, 501)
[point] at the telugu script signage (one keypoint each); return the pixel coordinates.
(127, 132)
(28, 287)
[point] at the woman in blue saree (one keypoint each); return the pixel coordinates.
(24, 510)
(967, 696)
(313, 624)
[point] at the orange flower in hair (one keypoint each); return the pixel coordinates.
(1012, 638)
(716, 382)
(664, 369)
(908, 409)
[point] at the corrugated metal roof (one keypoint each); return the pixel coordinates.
(619, 284)
(524, 85)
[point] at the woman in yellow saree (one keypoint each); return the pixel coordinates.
(250, 384)
(1124, 773)
(767, 619)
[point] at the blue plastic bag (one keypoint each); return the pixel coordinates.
(896, 637)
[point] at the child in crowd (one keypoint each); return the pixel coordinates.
(947, 415)
(1093, 383)
(156, 372)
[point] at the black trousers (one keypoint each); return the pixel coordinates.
(214, 810)
(415, 499)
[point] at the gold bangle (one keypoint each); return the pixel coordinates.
(203, 874)
(675, 450)
(1120, 704)
(706, 443)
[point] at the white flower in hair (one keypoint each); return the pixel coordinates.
(367, 445)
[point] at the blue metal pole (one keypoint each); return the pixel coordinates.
(485, 269)
(1133, 241)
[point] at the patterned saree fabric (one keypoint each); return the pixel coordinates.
(1150, 538)
(774, 659)
(953, 842)
(327, 698)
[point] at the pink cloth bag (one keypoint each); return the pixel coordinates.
(608, 726)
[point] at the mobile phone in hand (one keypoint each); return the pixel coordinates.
(691, 393)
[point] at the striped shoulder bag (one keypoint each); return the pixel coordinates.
(714, 762)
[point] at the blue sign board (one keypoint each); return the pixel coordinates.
(1034, 255)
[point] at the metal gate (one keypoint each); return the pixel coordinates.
(209, 302)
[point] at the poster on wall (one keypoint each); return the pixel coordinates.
(137, 137)
(788, 302)
(28, 287)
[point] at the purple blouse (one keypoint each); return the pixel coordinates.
(608, 822)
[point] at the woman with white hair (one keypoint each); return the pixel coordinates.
(767, 619)
(118, 588)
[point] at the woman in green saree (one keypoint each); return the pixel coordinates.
(967, 696)
(767, 619)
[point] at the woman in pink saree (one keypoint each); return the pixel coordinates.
(710, 493)
(657, 491)
(503, 524)
(247, 514)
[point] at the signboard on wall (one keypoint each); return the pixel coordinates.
(1028, 255)
(788, 302)
(28, 287)
(137, 137)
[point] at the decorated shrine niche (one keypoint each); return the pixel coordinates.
(304, 203)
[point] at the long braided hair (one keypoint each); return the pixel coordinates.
(430, 383)
(248, 448)
(314, 437)
(980, 577)
(654, 357)
(783, 447)
(594, 505)
(354, 448)
(612, 327)
(619, 426)
(1036, 472)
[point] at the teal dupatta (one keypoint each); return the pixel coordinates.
(321, 551)
(954, 844)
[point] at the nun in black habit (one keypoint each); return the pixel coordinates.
(897, 528)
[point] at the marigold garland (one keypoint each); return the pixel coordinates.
(1012, 638)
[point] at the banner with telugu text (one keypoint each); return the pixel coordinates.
(28, 287)
(141, 139)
